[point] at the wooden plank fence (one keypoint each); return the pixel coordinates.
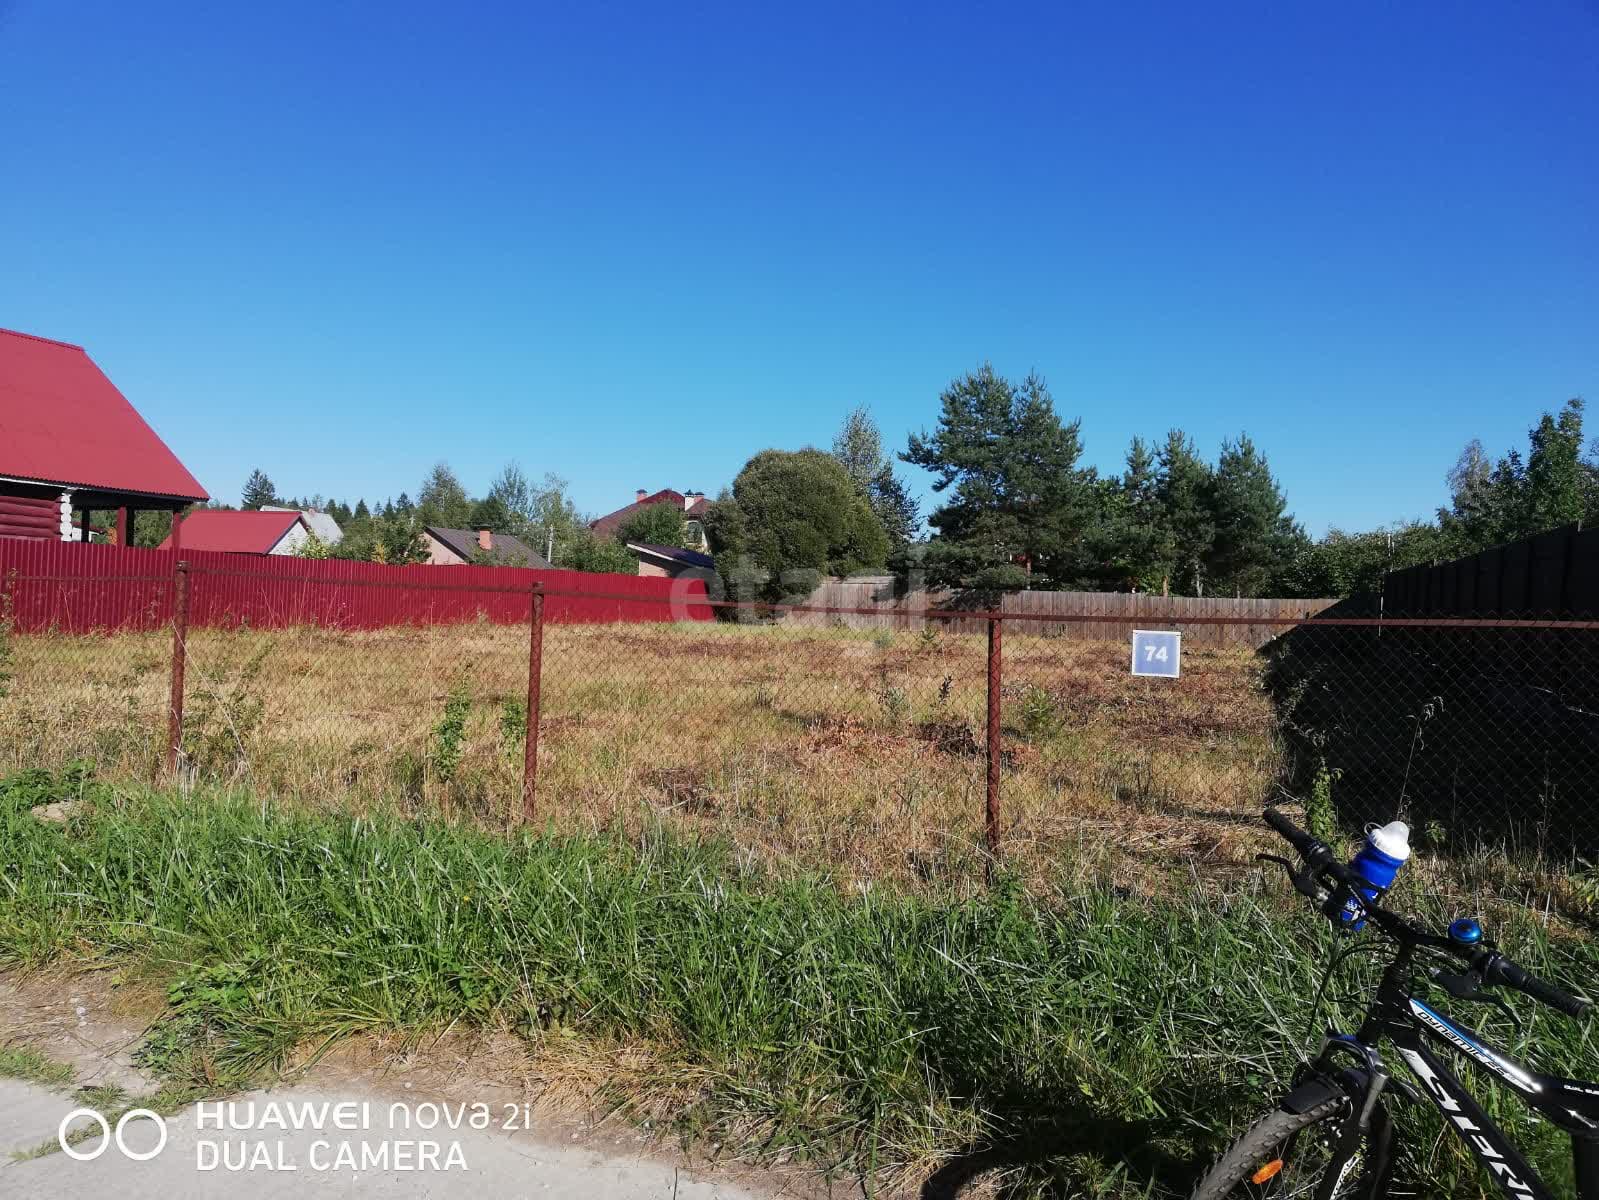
(1128, 611)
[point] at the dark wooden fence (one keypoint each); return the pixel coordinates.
(1552, 575)
(1480, 721)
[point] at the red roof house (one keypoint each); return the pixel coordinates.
(250, 532)
(70, 442)
(693, 505)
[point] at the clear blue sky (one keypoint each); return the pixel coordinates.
(635, 244)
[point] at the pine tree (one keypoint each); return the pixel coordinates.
(361, 510)
(258, 491)
(896, 508)
(1188, 529)
(1255, 537)
(1129, 542)
(1019, 506)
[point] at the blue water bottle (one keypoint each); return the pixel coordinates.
(1386, 849)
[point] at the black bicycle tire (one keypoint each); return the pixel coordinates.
(1247, 1154)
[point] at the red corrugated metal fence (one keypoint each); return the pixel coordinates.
(75, 588)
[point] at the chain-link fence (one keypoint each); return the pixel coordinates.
(917, 746)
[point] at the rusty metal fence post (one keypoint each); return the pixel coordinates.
(995, 671)
(180, 654)
(535, 671)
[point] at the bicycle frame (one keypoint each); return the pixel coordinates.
(1409, 1024)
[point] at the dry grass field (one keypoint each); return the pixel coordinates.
(857, 751)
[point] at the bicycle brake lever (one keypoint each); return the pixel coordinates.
(1304, 881)
(1463, 986)
(1470, 987)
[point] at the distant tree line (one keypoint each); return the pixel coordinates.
(540, 514)
(1491, 502)
(1021, 511)
(1018, 510)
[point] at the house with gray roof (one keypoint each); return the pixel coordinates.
(453, 547)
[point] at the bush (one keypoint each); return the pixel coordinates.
(792, 519)
(656, 525)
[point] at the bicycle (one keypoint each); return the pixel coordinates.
(1331, 1138)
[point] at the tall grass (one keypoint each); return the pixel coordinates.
(1084, 1041)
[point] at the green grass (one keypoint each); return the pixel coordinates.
(26, 1063)
(1079, 1038)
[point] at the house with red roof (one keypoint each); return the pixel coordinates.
(693, 505)
(70, 443)
(268, 531)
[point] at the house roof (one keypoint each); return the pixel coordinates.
(609, 523)
(319, 523)
(689, 558)
(239, 532)
(63, 422)
(512, 549)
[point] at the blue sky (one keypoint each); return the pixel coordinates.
(635, 244)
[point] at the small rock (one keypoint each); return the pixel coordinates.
(58, 812)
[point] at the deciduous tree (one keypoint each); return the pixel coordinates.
(858, 446)
(792, 518)
(442, 500)
(655, 524)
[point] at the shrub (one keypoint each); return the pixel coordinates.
(1041, 716)
(449, 735)
(1321, 816)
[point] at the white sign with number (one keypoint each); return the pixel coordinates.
(1157, 652)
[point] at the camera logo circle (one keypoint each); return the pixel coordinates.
(107, 1135)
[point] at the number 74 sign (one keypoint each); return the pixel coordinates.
(1157, 652)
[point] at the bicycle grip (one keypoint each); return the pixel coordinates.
(1513, 975)
(1291, 833)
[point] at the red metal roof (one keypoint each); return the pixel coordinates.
(240, 532)
(608, 524)
(62, 421)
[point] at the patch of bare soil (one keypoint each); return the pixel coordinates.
(94, 1022)
(88, 1021)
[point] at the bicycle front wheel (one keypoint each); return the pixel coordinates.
(1286, 1155)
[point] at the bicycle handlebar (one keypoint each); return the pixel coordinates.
(1499, 969)
(1310, 849)
(1494, 967)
